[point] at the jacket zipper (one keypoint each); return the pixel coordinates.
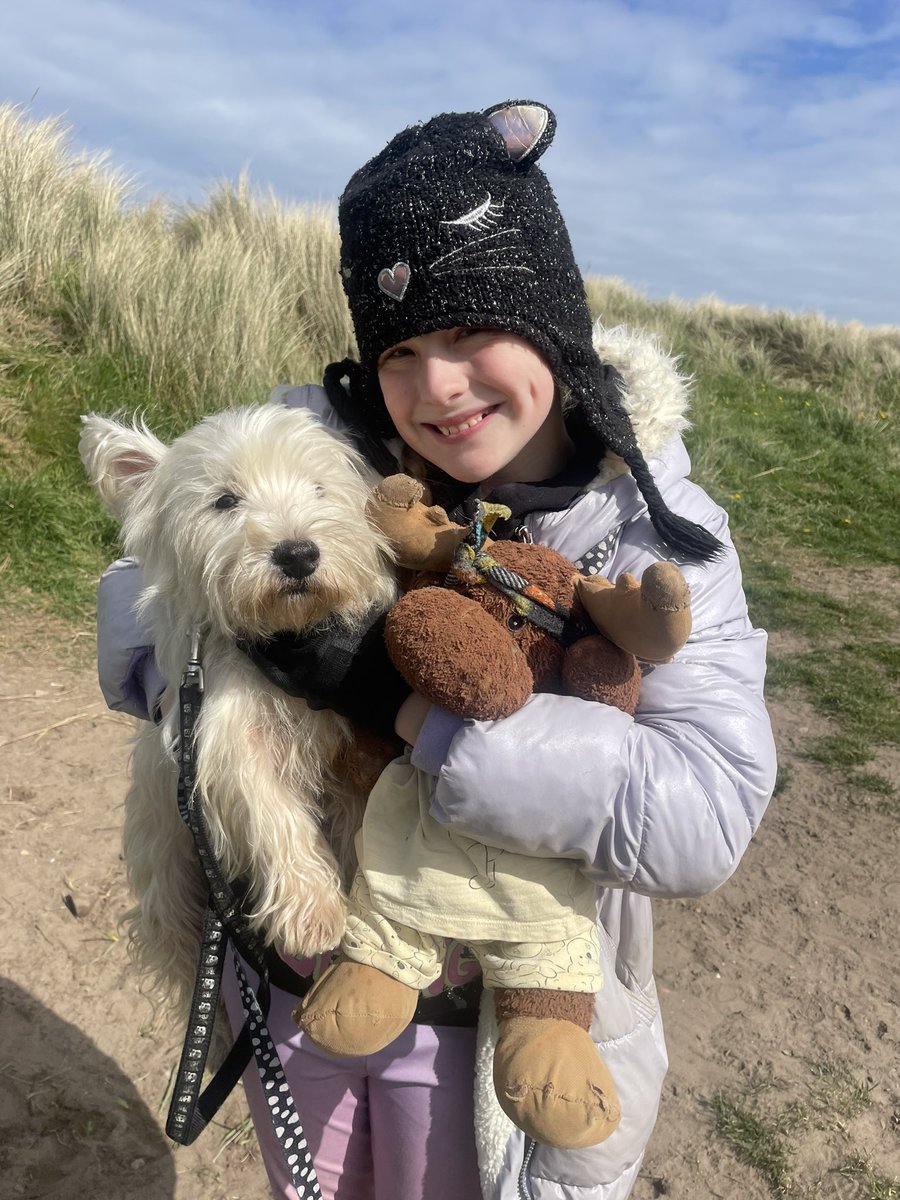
(525, 1192)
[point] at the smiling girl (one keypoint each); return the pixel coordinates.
(478, 369)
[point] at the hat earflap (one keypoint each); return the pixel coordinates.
(601, 406)
(368, 424)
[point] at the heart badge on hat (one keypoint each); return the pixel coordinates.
(394, 280)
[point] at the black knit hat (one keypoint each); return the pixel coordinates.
(455, 224)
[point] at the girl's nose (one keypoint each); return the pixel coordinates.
(442, 378)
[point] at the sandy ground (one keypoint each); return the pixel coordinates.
(783, 985)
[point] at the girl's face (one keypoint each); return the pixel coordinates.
(478, 403)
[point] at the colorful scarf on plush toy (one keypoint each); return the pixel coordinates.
(529, 602)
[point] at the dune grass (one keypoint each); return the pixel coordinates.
(767, 1132)
(114, 306)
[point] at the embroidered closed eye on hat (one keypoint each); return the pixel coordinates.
(454, 224)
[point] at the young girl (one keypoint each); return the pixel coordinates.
(477, 371)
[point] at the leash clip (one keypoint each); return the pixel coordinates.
(193, 672)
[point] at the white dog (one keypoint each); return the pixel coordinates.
(251, 522)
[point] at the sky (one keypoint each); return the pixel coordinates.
(747, 150)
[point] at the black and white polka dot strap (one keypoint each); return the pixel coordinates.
(593, 561)
(283, 1113)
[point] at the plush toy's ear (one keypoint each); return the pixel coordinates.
(526, 127)
(118, 458)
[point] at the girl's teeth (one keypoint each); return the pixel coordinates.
(449, 430)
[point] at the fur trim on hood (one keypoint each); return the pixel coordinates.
(656, 395)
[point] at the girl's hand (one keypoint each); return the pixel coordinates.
(411, 717)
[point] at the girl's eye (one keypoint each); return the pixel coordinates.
(226, 500)
(515, 622)
(393, 354)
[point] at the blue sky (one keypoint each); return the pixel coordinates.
(747, 150)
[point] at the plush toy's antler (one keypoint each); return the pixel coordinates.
(650, 619)
(423, 536)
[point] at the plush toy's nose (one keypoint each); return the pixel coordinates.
(297, 560)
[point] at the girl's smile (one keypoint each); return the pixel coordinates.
(480, 404)
(464, 426)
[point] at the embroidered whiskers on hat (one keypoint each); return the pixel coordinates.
(454, 224)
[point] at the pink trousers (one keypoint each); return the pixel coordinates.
(396, 1124)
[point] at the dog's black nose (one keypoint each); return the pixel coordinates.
(298, 560)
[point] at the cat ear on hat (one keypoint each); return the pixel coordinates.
(527, 128)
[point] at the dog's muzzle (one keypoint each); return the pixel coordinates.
(297, 560)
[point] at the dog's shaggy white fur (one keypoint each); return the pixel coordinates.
(251, 522)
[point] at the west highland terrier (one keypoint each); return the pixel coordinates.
(251, 522)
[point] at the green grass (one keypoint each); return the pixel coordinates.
(853, 683)
(871, 781)
(847, 667)
(769, 1138)
(873, 1185)
(798, 470)
(835, 1096)
(754, 1140)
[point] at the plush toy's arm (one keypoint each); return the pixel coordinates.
(650, 619)
(452, 652)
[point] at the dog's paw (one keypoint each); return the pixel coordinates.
(313, 929)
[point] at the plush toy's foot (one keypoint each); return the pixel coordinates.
(355, 1010)
(650, 619)
(552, 1083)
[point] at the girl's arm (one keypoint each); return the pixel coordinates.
(664, 802)
(129, 677)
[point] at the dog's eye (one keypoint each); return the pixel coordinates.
(226, 500)
(515, 622)
(320, 489)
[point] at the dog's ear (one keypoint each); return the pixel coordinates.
(118, 458)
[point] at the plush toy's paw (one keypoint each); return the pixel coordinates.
(551, 1082)
(423, 536)
(354, 1010)
(595, 669)
(650, 619)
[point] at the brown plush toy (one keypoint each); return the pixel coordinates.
(506, 656)
(482, 628)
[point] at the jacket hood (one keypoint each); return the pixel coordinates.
(656, 395)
